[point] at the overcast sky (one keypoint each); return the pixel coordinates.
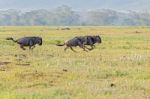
(136, 5)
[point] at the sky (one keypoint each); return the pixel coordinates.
(123, 5)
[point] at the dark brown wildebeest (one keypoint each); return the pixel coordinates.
(27, 41)
(81, 41)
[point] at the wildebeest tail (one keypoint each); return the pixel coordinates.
(60, 44)
(10, 38)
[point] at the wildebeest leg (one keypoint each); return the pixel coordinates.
(31, 47)
(72, 49)
(66, 48)
(92, 47)
(83, 47)
(87, 48)
(22, 47)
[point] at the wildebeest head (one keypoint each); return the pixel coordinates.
(39, 40)
(98, 39)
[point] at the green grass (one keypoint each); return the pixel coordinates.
(47, 72)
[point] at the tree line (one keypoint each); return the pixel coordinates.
(65, 16)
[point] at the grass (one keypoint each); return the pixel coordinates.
(47, 72)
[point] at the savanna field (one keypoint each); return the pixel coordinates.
(118, 68)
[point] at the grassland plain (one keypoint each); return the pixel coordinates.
(119, 68)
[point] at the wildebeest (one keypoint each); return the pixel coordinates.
(81, 41)
(27, 41)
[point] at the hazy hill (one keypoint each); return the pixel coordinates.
(64, 15)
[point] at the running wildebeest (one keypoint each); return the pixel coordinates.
(27, 41)
(81, 41)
